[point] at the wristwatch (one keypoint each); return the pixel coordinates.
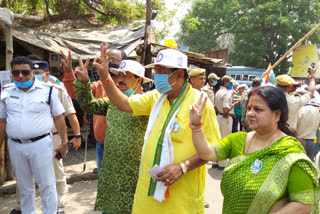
(183, 167)
(77, 136)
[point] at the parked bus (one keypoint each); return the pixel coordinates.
(244, 74)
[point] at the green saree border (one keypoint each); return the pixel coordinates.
(268, 194)
(305, 195)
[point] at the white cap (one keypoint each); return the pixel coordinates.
(245, 86)
(134, 67)
(170, 58)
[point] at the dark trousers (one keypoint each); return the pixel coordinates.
(309, 147)
(235, 124)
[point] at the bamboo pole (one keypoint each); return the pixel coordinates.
(2, 169)
(28, 18)
(290, 50)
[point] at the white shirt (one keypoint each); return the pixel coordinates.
(295, 103)
(308, 122)
(28, 114)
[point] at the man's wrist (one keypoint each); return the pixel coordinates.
(106, 81)
(77, 136)
(183, 168)
(106, 78)
(64, 143)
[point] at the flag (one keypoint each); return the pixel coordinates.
(270, 76)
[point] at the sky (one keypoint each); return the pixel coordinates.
(180, 13)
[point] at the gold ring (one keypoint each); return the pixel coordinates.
(167, 180)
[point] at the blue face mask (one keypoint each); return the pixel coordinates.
(128, 92)
(39, 77)
(161, 82)
(229, 86)
(25, 84)
(214, 83)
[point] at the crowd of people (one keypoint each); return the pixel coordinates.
(152, 146)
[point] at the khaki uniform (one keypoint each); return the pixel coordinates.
(307, 126)
(223, 99)
(61, 182)
(209, 92)
(295, 103)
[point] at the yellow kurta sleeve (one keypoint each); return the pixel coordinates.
(142, 104)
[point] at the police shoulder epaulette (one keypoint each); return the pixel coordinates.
(58, 86)
(48, 84)
(7, 85)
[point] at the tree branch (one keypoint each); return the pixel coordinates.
(98, 11)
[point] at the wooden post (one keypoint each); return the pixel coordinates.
(291, 49)
(2, 169)
(9, 46)
(146, 57)
(9, 56)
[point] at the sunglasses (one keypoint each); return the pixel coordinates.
(17, 72)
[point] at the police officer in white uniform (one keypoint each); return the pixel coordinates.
(41, 72)
(29, 110)
(224, 107)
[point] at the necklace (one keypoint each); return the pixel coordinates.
(272, 139)
(256, 166)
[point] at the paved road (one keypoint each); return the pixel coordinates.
(81, 196)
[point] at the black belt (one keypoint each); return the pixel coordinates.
(223, 114)
(34, 139)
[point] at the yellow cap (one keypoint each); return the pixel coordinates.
(196, 72)
(286, 80)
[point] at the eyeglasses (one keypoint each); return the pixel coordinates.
(114, 61)
(17, 72)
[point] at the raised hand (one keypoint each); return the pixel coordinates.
(66, 62)
(312, 70)
(82, 71)
(196, 109)
(102, 64)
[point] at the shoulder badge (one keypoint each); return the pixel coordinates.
(7, 85)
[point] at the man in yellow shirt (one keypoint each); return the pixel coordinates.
(179, 179)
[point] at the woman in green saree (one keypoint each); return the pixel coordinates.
(268, 171)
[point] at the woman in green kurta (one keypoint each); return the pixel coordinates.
(122, 145)
(268, 171)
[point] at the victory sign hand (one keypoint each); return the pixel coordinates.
(66, 62)
(196, 109)
(102, 63)
(82, 71)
